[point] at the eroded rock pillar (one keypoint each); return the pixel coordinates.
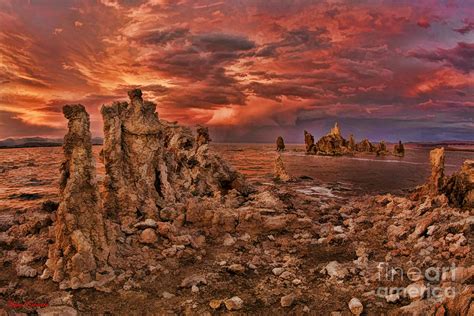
(436, 181)
(78, 257)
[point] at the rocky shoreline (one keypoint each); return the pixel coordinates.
(177, 230)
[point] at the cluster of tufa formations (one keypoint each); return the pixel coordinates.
(151, 165)
(334, 144)
(173, 229)
(458, 188)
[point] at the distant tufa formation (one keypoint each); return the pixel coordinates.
(458, 188)
(333, 144)
(149, 164)
(280, 143)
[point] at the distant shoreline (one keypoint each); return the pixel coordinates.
(446, 145)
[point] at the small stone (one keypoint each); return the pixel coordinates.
(306, 309)
(287, 300)
(338, 229)
(296, 281)
(167, 295)
(148, 223)
(194, 289)
(278, 271)
(335, 270)
(148, 236)
(236, 268)
(215, 304)
(193, 280)
(286, 275)
(233, 304)
(228, 240)
(245, 237)
(270, 237)
(355, 306)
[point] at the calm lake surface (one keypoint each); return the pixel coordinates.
(30, 175)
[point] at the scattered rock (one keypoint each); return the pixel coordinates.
(233, 304)
(236, 268)
(167, 295)
(335, 270)
(215, 304)
(193, 280)
(148, 236)
(287, 300)
(355, 306)
(278, 271)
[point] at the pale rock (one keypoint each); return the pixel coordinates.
(355, 306)
(286, 275)
(287, 300)
(335, 270)
(228, 240)
(233, 304)
(167, 295)
(193, 280)
(278, 271)
(236, 268)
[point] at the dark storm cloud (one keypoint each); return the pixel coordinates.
(467, 28)
(162, 37)
(297, 40)
(216, 90)
(460, 57)
(220, 42)
(276, 91)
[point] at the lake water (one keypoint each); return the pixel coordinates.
(30, 175)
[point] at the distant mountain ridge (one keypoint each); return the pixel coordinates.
(39, 142)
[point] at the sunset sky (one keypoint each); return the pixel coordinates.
(250, 70)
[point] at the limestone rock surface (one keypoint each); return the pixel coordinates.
(81, 249)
